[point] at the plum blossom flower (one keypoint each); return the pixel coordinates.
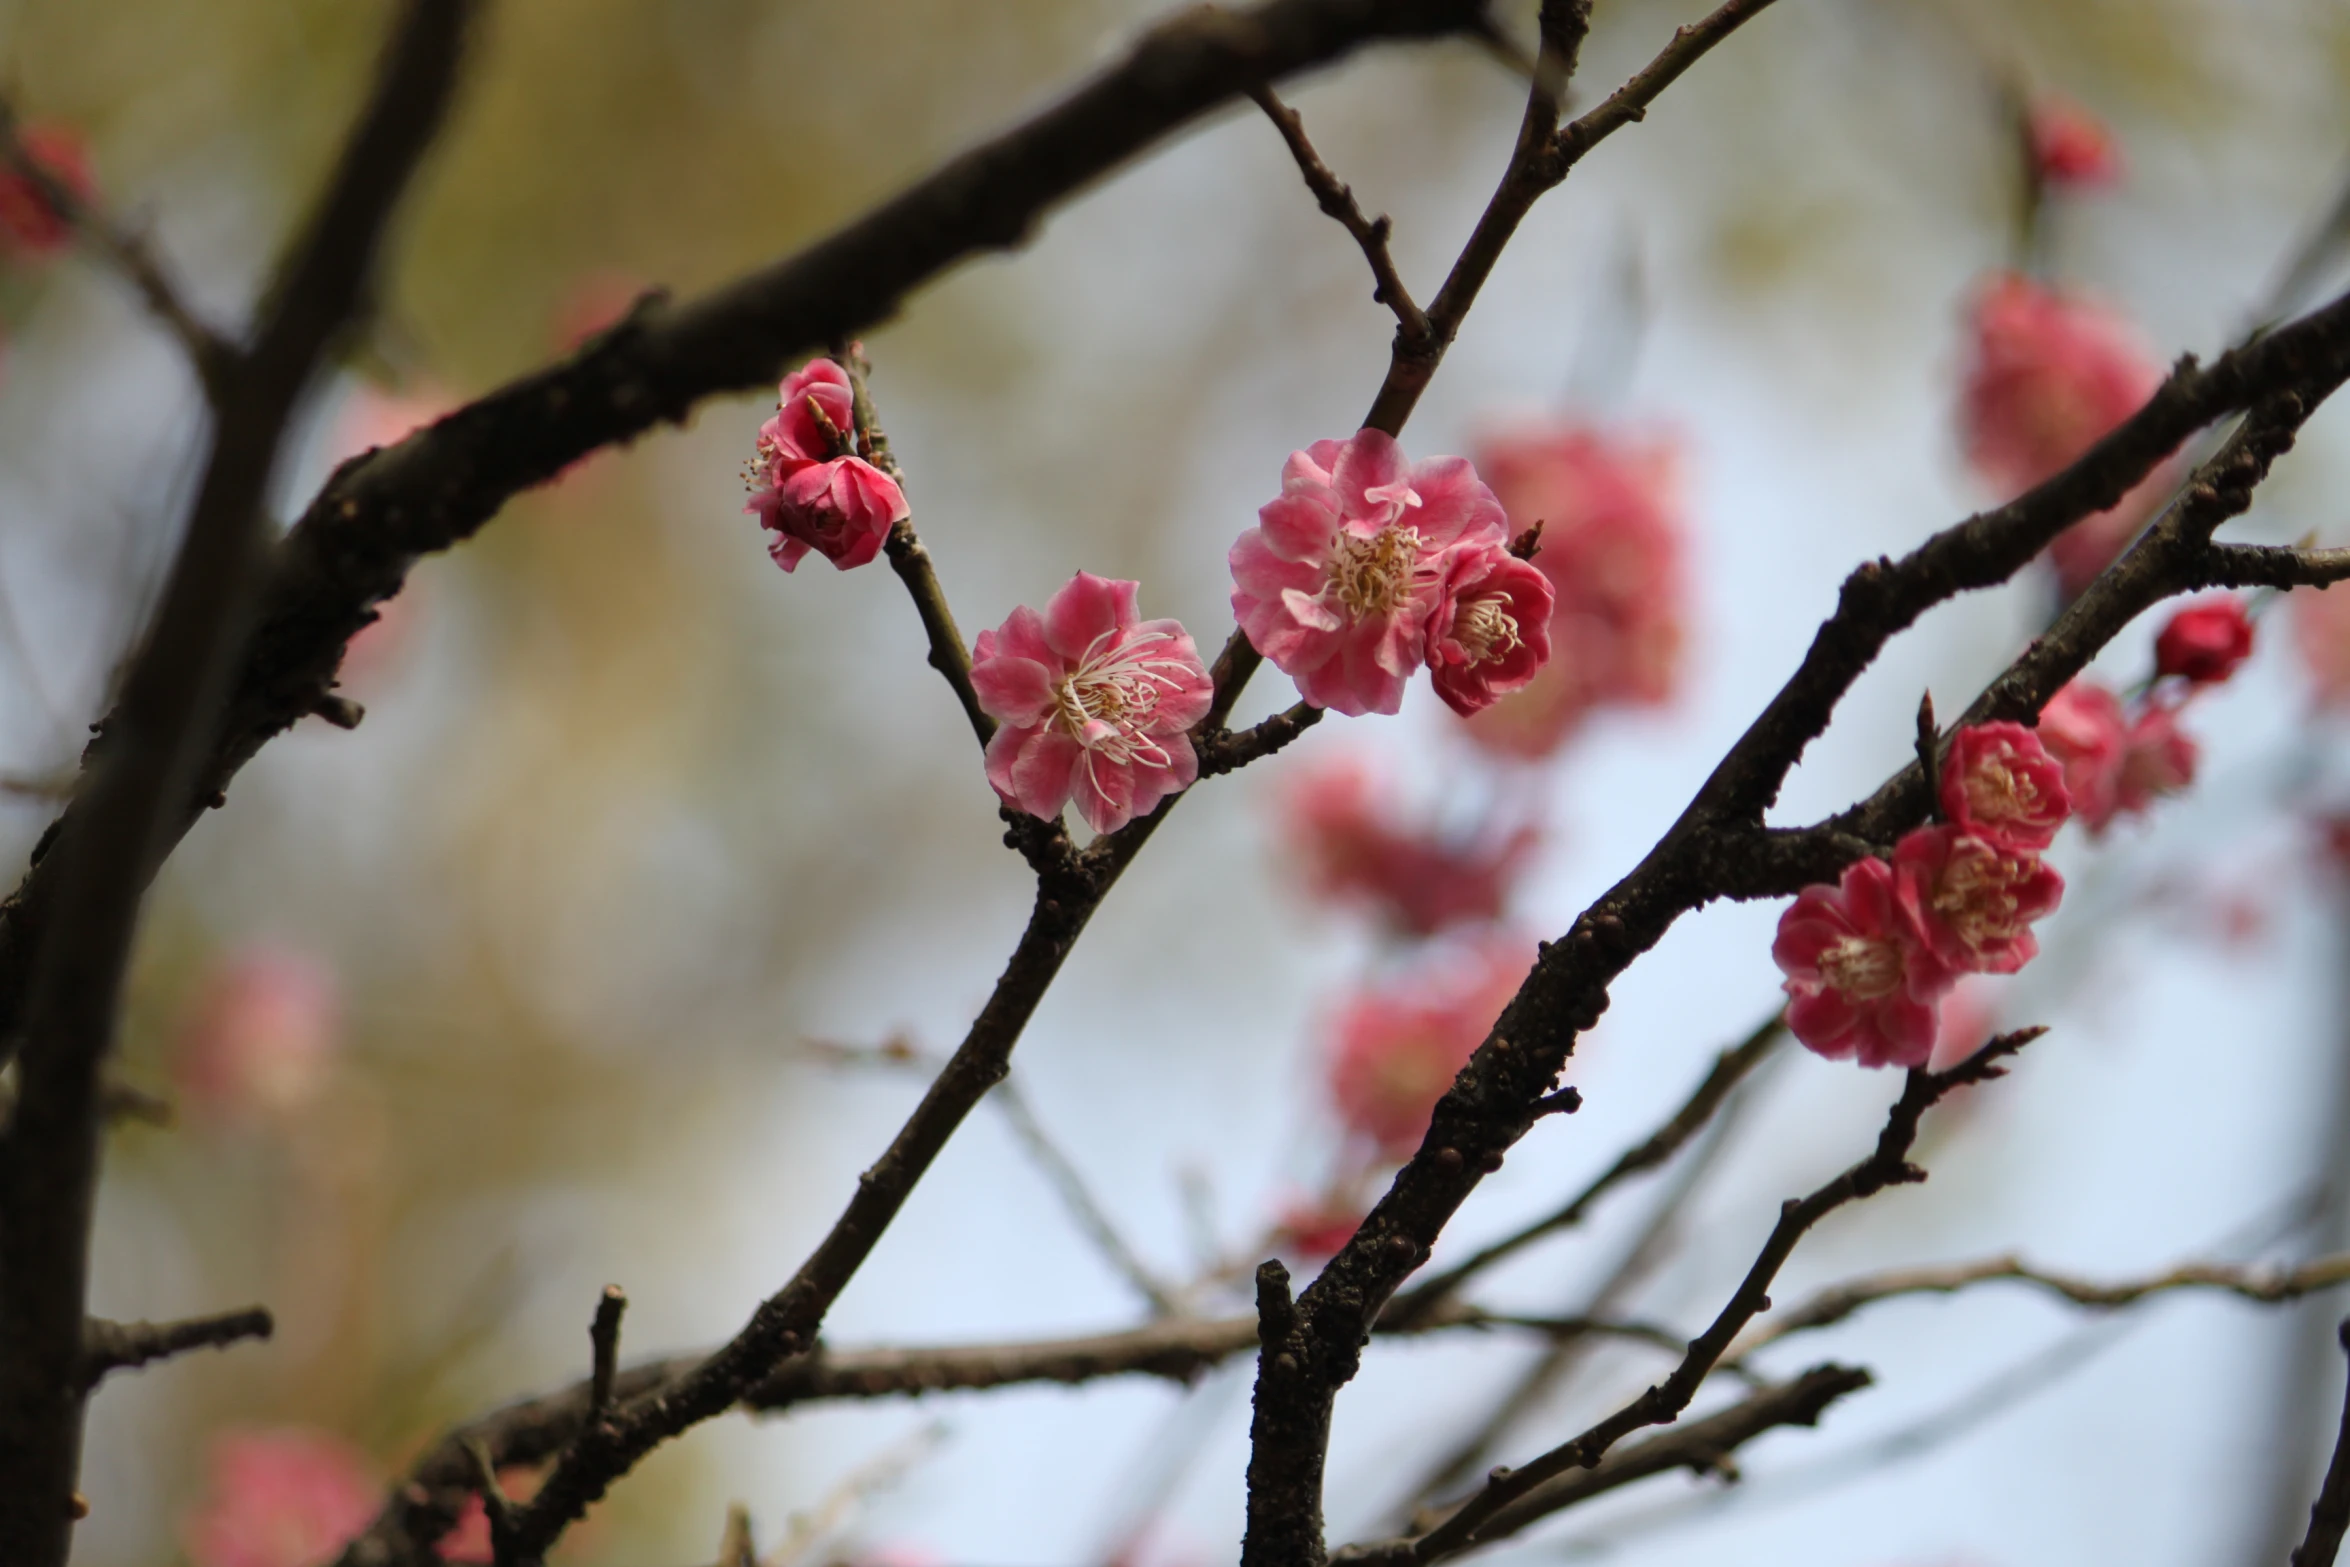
(2158, 759)
(1860, 985)
(2321, 633)
(2047, 376)
(1612, 547)
(1357, 849)
(1490, 634)
(1338, 581)
(30, 225)
(283, 1498)
(1093, 704)
(1972, 901)
(2114, 765)
(1397, 1047)
(2206, 641)
(2069, 145)
(1970, 1016)
(260, 1037)
(2001, 784)
(1318, 1228)
(808, 486)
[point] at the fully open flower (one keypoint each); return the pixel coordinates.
(808, 486)
(286, 1498)
(2000, 783)
(1490, 633)
(2069, 145)
(1397, 1047)
(1337, 582)
(1973, 901)
(30, 224)
(1612, 545)
(2047, 376)
(1093, 704)
(1860, 985)
(2205, 642)
(1357, 849)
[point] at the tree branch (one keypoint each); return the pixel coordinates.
(137, 783)
(2329, 1515)
(1339, 202)
(125, 1346)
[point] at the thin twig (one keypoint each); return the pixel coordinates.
(1224, 750)
(209, 350)
(1929, 754)
(604, 1348)
(1078, 1199)
(1339, 202)
(124, 1346)
(2329, 1515)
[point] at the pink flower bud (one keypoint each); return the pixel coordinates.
(1973, 901)
(1339, 580)
(1397, 1048)
(283, 1498)
(1094, 704)
(260, 1037)
(2047, 376)
(1356, 850)
(1860, 984)
(1612, 546)
(1490, 633)
(2071, 146)
(1999, 783)
(809, 487)
(2205, 641)
(29, 225)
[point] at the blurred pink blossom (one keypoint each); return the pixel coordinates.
(2206, 641)
(2070, 146)
(1398, 1046)
(1612, 545)
(1490, 634)
(1093, 702)
(2047, 375)
(259, 1038)
(1860, 985)
(2158, 759)
(1318, 1228)
(808, 486)
(2084, 728)
(1972, 901)
(1970, 1016)
(29, 224)
(1357, 849)
(2321, 631)
(593, 303)
(1341, 576)
(2000, 783)
(292, 1497)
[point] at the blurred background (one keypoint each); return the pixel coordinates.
(583, 958)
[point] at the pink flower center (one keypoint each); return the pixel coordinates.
(1996, 792)
(1373, 577)
(1976, 895)
(1865, 968)
(1106, 704)
(1486, 629)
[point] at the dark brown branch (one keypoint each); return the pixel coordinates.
(209, 350)
(353, 545)
(1339, 202)
(604, 1348)
(1730, 1068)
(125, 1346)
(1887, 1165)
(138, 781)
(1227, 750)
(2329, 1515)
(1701, 1447)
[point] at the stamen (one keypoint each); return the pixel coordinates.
(1373, 576)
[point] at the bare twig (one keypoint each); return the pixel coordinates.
(1339, 202)
(1226, 750)
(2329, 1515)
(604, 1348)
(1077, 1197)
(138, 786)
(125, 1346)
(208, 349)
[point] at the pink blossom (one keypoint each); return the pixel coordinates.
(29, 224)
(2157, 759)
(1356, 849)
(284, 1498)
(1338, 581)
(1970, 1016)
(467, 1544)
(2047, 376)
(1999, 783)
(1094, 705)
(808, 486)
(1974, 901)
(260, 1036)
(1398, 1047)
(2070, 146)
(1318, 1228)
(2321, 631)
(2206, 641)
(593, 303)
(2084, 728)
(1612, 547)
(1490, 634)
(1859, 985)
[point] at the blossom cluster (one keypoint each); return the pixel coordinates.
(809, 487)
(1356, 848)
